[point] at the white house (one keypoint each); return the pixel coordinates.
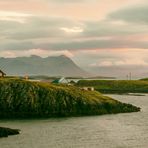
(62, 80)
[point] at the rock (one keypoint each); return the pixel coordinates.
(5, 132)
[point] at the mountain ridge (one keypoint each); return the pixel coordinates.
(36, 65)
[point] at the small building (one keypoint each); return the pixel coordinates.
(62, 80)
(87, 88)
(2, 74)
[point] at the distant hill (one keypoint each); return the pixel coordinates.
(101, 77)
(116, 86)
(144, 79)
(35, 65)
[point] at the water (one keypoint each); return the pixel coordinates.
(128, 130)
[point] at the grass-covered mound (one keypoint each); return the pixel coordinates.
(144, 79)
(116, 86)
(24, 99)
(5, 132)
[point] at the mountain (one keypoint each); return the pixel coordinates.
(36, 65)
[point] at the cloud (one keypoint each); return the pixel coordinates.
(59, 33)
(114, 62)
(137, 14)
(37, 27)
(74, 44)
(101, 34)
(38, 52)
(61, 28)
(111, 29)
(72, 30)
(13, 16)
(113, 57)
(68, 1)
(125, 62)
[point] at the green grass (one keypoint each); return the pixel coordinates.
(24, 99)
(116, 86)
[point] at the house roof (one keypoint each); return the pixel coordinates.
(59, 80)
(2, 72)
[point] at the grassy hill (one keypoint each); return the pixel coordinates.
(116, 86)
(144, 79)
(24, 99)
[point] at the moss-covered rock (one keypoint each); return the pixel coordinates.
(5, 132)
(24, 99)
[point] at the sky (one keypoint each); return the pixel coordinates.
(106, 37)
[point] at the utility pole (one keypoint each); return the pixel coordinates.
(130, 75)
(127, 77)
